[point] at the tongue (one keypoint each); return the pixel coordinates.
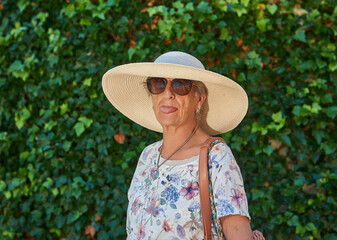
(167, 109)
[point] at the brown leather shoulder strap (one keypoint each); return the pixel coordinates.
(204, 188)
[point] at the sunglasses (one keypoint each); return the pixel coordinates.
(157, 85)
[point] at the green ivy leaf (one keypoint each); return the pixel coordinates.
(8, 233)
(245, 3)
(315, 108)
(66, 146)
(204, 7)
(285, 138)
(129, 155)
(277, 117)
(58, 232)
(2, 80)
(55, 191)
(321, 64)
(257, 193)
(22, 4)
(262, 24)
(3, 136)
(17, 69)
(319, 135)
(294, 221)
(99, 14)
(166, 27)
(299, 181)
(79, 128)
(69, 10)
(333, 66)
(76, 192)
(86, 121)
(93, 94)
(36, 214)
(24, 155)
(240, 10)
(15, 182)
(328, 148)
(8, 194)
(331, 111)
(241, 77)
(225, 35)
(268, 150)
(42, 16)
(19, 120)
(111, 3)
(85, 22)
(49, 125)
(131, 52)
(73, 216)
(48, 183)
(310, 226)
(87, 82)
(189, 7)
(3, 185)
(64, 108)
(297, 110)
(177, 5)
(272, 8)
(300, 35)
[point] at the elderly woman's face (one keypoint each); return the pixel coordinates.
(173, 110)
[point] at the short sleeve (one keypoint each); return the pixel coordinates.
(228, 188)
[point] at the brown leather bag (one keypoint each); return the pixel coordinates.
(204, 188)
(204, 192)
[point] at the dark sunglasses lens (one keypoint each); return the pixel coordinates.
(156, 85)
(181, 86)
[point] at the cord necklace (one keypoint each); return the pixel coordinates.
(155, 172)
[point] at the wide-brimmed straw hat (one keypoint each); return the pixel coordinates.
(224, 109)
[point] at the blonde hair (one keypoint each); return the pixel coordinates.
(201, 89)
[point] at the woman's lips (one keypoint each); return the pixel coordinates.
(168, 109)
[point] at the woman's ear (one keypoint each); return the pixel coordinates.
(201, 100)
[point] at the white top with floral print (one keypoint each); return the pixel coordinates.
(169, 207)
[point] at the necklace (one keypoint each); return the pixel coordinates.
(155, 172)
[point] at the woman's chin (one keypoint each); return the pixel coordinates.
(169, 123)
(174, 123)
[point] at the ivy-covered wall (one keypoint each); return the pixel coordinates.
(67, 156)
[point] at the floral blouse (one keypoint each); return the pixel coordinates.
(168, 207)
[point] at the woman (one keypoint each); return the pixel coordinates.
(175, 95)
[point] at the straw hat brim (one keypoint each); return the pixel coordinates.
(124, 86)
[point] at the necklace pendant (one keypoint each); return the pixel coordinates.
(155, 174)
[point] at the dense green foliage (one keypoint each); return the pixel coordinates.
(63, 173)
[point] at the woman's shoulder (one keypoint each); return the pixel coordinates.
(150, 150)
(153, 146)
(223, 160)
(218, 146)
(221, 152)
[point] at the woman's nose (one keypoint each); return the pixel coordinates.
(168, 92)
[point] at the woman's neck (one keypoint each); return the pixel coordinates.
(173, 138)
